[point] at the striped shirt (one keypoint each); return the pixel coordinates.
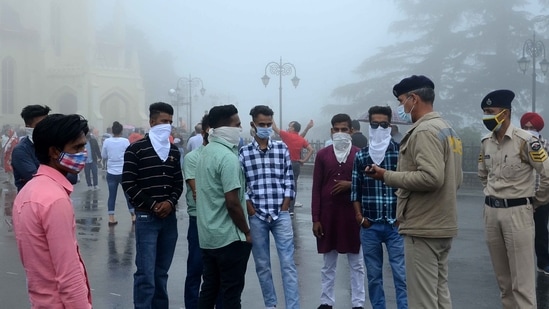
(377, 199)
(269, 177)
(147, 180)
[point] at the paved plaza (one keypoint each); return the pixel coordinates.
(109, 253)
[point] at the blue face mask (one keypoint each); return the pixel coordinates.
(264, 133)
(403, 115)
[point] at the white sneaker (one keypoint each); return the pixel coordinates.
(298, 204)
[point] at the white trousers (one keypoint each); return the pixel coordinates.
(328, 274)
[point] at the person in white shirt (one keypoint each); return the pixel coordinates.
(195, 141)
(113, 151)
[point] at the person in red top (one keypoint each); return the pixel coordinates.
(136, 135)
(296, 143)
(43, 217)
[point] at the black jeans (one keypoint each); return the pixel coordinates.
(224, 271)
(541, 240)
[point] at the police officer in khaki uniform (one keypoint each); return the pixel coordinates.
(507, 159)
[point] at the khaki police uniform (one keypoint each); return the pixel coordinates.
(506, 171)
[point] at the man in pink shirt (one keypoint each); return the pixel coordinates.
(43, 217)
(296, 143)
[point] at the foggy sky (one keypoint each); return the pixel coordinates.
(228, 44)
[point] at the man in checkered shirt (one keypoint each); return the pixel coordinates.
(269, 190)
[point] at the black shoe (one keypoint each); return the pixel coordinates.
(358, 307)
(324, 306)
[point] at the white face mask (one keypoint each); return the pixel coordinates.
(379, 141)
(29, 133)
(342, 143)
(230, 134)
(160, 140)
(161, 131)
(534, 133)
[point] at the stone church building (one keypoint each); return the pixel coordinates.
(51, 54)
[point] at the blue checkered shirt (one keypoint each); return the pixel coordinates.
(377, 199)
(269, 177)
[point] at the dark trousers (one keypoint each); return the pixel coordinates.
(224, 272)
(541, 241)
(90, 170)
(296, 167)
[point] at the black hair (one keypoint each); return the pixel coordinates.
(342, 118)
(355, 125)
(296, 125)
(220, 116)
(30, 112)
(261, 110)
(159, 107)
(425, 94)
(198, 128)
(117, 128)
(205, 122)
(57, 130)
(381, 110)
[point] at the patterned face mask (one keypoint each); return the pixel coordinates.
(73, 161)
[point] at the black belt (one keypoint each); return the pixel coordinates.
(505, 203)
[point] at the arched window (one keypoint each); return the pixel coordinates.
(8, 85)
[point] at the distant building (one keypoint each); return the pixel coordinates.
(50, 53)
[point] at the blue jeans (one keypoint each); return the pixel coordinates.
(224, 273)
(91, 168)
(194, 269)
(283, 235)
(112, 182)
(372, 239)
(155, 241)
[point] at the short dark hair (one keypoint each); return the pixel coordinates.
(205, 122)
(425, 94)
(296, 125)
(261, 110)
(160, 107)
(382, 110)
(117, 128)
(220, 116)
(30, 112)
(198, 128)
(355, 124)
(57, 130)
(342, 118)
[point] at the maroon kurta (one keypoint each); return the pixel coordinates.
(335, 212)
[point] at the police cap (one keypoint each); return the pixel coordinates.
(498, 98)
(412, 83)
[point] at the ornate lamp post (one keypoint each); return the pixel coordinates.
(280, 69)
(177, 93)
(535, 49)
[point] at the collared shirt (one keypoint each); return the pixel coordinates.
(195, 142)
(295, 143)
(218, 171)
(506, 168)
(269, 177)
(189, 172)
(45, 230)
(377, 199)
(147, 179)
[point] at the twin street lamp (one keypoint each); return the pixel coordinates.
(280, 69)
(535, 49)
(177, 93)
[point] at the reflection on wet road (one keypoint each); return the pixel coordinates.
(109, 254)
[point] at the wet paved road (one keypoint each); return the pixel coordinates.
(109, 253)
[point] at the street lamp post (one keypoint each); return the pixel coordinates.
(535, 49)
(280, 69)
(191, 82)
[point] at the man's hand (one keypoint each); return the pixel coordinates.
(301, 162)
(162, 209)
(317, 230)
(341, 186)
(248, 237)
(375, 172)
(310, 124)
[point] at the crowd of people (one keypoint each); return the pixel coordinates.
(385, 189)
